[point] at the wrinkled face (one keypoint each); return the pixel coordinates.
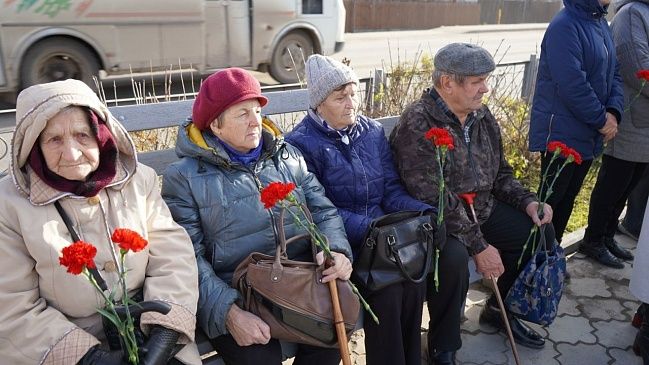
(69, 145)
(466, 97)
(240, 125)
(340, 107)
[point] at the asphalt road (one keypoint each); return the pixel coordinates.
(370, 50)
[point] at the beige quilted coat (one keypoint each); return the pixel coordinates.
(48, 316)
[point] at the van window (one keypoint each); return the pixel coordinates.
(311, 6)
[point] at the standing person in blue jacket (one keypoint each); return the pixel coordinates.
(627, 156)
(578, 101)
(351, 157)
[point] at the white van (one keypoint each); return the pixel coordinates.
(47, 40)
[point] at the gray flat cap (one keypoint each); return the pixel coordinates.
(464, 59)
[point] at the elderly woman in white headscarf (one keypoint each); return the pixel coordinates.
(71, 160)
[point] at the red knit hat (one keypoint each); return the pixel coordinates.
(222, 90)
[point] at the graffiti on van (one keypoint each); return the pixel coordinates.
(51, 8)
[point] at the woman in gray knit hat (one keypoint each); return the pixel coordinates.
(350, 155)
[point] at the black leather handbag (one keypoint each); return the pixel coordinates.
(397, 247)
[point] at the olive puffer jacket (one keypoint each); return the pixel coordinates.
(217, 200)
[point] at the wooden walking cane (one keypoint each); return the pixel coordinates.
(339, 323)
(494, 281)
(468, 197)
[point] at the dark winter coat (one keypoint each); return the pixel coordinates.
(630, 28)
(358, 177)
(217, 201)
(476, 166)
(577, 81)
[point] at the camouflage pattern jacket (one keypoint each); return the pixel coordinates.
(476, 164)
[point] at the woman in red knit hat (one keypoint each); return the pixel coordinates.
(227, 154)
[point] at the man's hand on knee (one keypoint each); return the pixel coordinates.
(488, 262)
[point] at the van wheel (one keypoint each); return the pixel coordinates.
(287, 62)
(56, 59)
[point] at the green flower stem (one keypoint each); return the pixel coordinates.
(628, 107)
(555, 155)
(321, 242)
(543, 198)
(129, 338)
(111, 315)
(440, 153)
(529, 238)
(363, 302)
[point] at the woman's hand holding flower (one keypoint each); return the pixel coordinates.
(341, 268)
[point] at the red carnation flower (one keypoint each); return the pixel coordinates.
(77, 256)
(275, 192)
(440, 137)
(468, 197)
(571, 153)
(435, 133)
(554, 145)
(643, 74)
(445, 141)
(128, 240)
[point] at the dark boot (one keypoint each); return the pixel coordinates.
(443, 358)
(600, 253)
(524, 335)
(641, 343)
(616, 250)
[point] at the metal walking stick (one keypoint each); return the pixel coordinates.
(468, 198)
(339, 324)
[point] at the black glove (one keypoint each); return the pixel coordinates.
(160, 347)
(97, 356)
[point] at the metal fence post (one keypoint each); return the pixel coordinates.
(375, 103)
(529, 78)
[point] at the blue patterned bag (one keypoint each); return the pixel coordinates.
(536, 293)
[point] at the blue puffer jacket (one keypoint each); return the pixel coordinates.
(577, 81)
(218, 203)
(359, 177)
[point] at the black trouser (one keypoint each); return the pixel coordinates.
(397, 338)
(271, 353)
(507, 230)
(445, 306)
(565, 189)
(615, 180)
(636, 204)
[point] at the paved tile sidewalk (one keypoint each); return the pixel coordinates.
(593, 326)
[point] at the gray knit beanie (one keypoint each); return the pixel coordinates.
(324, 75)
(464, 59)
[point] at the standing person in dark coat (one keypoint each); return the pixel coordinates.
(627, 155)
(578, 100)
(505, 209)
(350, 155)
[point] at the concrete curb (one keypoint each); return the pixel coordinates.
(571, 241)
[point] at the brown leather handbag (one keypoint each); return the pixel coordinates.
(289, 297)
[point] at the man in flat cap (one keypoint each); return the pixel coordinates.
(505, 209)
